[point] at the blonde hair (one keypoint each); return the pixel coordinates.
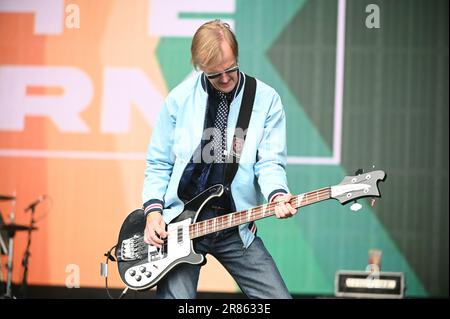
(206, 44)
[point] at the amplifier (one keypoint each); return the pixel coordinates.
(364, 284)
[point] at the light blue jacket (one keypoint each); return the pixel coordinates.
(178, 132)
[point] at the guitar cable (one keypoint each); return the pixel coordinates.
(104, 272)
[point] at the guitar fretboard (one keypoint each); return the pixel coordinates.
(238, 218)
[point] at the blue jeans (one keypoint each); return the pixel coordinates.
(253, 269)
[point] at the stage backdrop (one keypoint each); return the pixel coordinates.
(364, 84)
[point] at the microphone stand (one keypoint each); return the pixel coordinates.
(11, 233)
(27, 253)
(9, 294)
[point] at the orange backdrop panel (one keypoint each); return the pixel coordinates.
(90, 187)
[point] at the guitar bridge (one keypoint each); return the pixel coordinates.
(130, 248)
(155, 253)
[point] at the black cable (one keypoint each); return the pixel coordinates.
(108, 258)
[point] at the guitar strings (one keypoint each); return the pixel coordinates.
(267, 210)
(242, 216)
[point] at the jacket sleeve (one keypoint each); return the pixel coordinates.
(159, 159)
(271, 154)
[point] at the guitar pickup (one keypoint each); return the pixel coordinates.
(180, 234)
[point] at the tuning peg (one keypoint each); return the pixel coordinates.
(372, 202)
(359, 171)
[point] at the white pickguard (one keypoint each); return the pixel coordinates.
(177, 247)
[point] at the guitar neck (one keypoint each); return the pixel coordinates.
(238, 218)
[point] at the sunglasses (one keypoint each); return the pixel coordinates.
(213, 76)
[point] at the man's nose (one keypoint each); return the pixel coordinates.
(224, 77)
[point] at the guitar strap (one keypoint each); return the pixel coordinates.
(245, 112)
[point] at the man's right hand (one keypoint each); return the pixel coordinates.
(155, 230)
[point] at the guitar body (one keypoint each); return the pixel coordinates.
(141, 266)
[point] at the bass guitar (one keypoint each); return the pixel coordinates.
(141, 266)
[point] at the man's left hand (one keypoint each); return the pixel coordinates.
(284, 209)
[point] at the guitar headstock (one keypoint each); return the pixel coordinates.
(358, 186)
